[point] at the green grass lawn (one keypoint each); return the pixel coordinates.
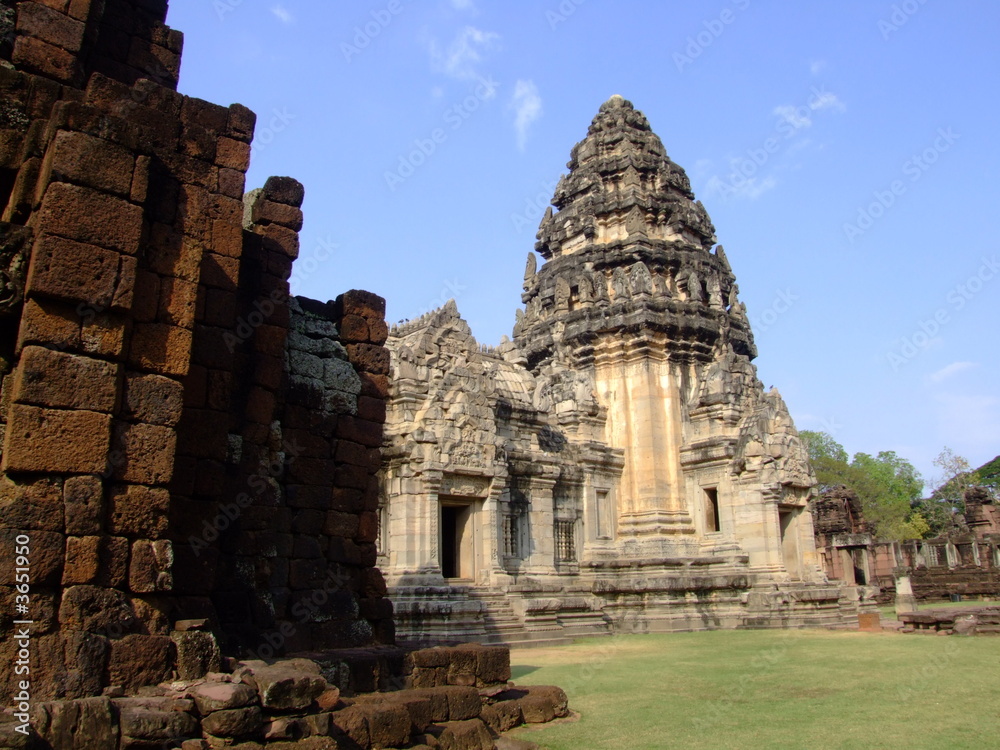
(771, 689)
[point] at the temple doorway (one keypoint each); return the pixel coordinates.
(458, 539)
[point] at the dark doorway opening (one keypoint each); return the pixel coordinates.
(456, 541)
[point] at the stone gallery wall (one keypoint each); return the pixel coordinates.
(183, 442)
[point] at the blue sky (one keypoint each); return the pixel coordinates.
(847, 154)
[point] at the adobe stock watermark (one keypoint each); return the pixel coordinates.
(791, 119)
(914, 168)
(534, 206)
(782, 303)
(454, 117)
(900, 16)
(958, 297)
(562, 12)
(264, 137)
(364, 34)
(224, 7)
(705, 38)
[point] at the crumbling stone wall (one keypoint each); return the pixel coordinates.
(161, 450)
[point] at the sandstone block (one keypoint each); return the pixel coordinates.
(367, 305)
(142, 719)
(288, 684)
(51, 440)
(543, 703)
(96, 610)
(66, 381)
(73, 271)
(92, 162)
(146, 453)
(45, 322)
(33, 504)
(84, 724)
(37, 20)
(47, 555)
(232, 154)
(370, 358)
(35, 56)
(463, 735)
(84, 505)
(241, 123)
(103, 334)
(161, 348)
(221, 696)
(153, 399)
(151, 566)
(285, 190)
(91, 217)
(138, 511)
(138, 660)
(463, 702)
(234, 722)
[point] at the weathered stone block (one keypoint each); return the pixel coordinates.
(91, 217)
(51, 440)
(463, 735)
(50, 323)
(73, 271)
(138, 660)
(84, 505)
(65, 381)
(292, 684)
(234, 722)
(153, 721)
(161, 348)
(367, 305)
(232, 154)
(41, 22)
(96, 609)
(153, 399)
(84, 724)
(35, 56)
(146, 451)
(151, 566)
(221, 696)
(47, 552)
(285, 190)
(92, 162)
(34, 504)
(370, 358)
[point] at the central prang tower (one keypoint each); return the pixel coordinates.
(635, 293)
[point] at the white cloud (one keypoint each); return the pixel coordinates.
(464, 54)
(463, 5)
(527, 105)
(817, 66)
(749, 188)
(282, 14)
(946, 372)
(801, 116)
(797, 117)
(826, 100)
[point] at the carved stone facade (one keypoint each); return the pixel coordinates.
(618, 465)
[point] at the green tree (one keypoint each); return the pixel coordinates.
(947, 502)
(887, 485)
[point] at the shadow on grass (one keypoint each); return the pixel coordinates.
(520, 670)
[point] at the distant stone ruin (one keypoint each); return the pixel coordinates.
(964, 564)
(617, 466)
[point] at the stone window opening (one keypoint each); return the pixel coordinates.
(565, 541)
(712, 520)
(574, 297)
(515, 525)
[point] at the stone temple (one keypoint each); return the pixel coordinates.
(617, 465)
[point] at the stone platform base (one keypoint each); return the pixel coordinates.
(457, 698)
(545, 612)
(957, 621)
